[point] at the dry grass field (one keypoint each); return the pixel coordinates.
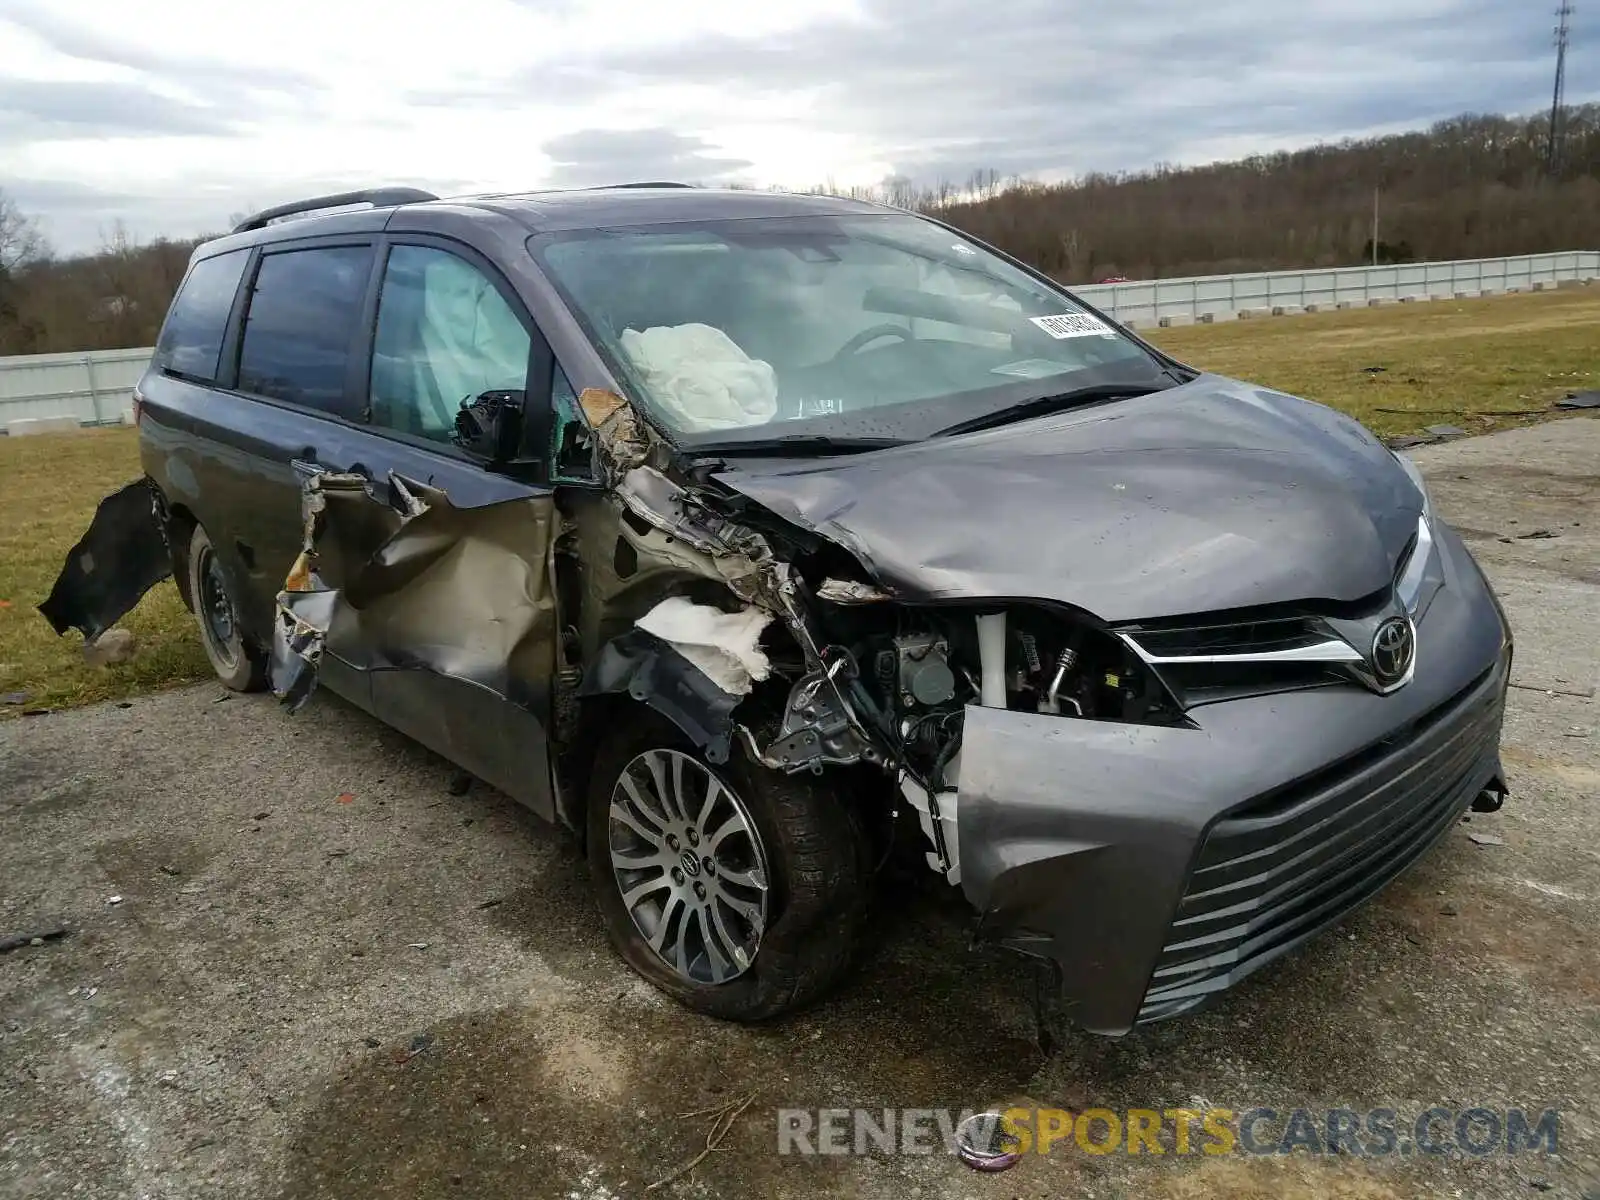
(1480, 364)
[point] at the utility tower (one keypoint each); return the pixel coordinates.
(1558, 115)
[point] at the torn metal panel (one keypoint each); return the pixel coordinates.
(738, 555)
(459, 590)
(121, 556)
(850, 591)
(304, 615)
(621, 568)
(443, 609)
(623, 439)
(641, 665)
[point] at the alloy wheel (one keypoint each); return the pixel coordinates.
(689, 863)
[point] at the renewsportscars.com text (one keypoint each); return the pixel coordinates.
(1370, 1133)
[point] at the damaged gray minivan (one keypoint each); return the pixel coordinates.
(751, 535)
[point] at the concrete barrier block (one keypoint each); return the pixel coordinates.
(1380, 301)
(1316, 308)
(126, 417)
(1217, 318)
(1344, 304)
(1566, 285)
(1137, 323)
(1512, 291)
(1545, 285)
(1248, 314)
(1287, 310)
(1490, 292)
(1466, 295)
(1177, 322)
(26, 426)
(1411, 299)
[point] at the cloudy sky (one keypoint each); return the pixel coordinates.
(170, 115)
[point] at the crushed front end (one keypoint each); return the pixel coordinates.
(1155, 865)
(1158, 809)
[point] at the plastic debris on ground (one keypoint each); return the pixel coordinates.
(984, 1143)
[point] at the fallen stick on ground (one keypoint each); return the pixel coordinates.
(726, 1115)
(18, 940)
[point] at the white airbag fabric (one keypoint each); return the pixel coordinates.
(725, 646)
(701, 377)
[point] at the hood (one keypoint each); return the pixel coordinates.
(1209, 496)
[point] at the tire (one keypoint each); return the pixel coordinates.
(817, 872)
(239, 665)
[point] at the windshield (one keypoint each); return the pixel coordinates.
(890, 326)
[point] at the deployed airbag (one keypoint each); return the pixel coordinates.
(725, 647)
(701, 377)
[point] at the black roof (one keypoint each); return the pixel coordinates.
(592, 208)
(579, 208)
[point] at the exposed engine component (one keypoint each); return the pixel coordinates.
(1066, 663)
(936, 813)
(1030, 652)
(992, 659)
(819, 728)
(890, 685)
(924, 670)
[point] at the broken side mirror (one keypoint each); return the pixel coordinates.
(490, 426)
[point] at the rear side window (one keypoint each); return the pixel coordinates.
(191, 340)
(303, 314)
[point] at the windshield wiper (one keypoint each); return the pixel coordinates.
(1043, 406)
(797, 443)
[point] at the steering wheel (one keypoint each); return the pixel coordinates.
(867, 336)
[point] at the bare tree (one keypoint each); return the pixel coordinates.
(20, 240)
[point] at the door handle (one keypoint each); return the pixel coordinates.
(307, 467)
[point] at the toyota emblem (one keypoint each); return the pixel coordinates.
(1393, 647)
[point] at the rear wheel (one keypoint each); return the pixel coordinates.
(737, 890)
(237, 664)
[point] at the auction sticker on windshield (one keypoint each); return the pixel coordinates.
(1071, 325)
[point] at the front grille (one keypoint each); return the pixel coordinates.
(1233, 638)
(1284, 867)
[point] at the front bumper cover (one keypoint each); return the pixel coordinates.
(1157, 866)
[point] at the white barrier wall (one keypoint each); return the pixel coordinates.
(96, 386)
(1151, 301)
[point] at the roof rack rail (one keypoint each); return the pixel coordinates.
(377, 197)
(654, 184)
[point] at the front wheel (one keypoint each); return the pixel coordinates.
(238, 666)
(737, 890)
